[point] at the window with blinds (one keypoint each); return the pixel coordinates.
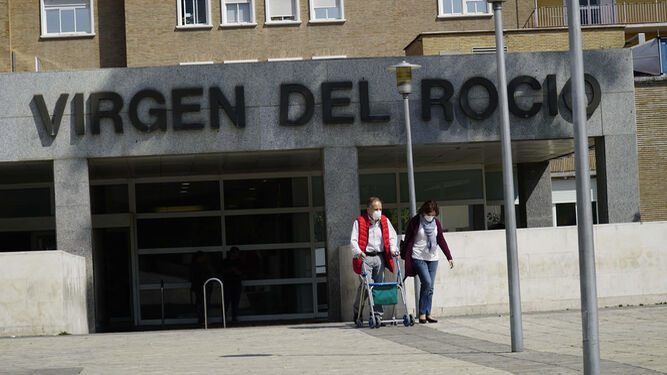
(282, 10)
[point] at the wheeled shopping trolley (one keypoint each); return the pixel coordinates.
(382, 294)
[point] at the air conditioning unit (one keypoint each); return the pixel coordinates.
(650, 57)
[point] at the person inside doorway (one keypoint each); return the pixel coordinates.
(422, 238)
(232, 275)
(373, 242)
(200, 271)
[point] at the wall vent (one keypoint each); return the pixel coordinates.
(476, 50)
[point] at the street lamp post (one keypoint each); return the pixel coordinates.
(516, 329)
(404, 83)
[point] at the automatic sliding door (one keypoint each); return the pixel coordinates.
(280, 235)
(179, 243)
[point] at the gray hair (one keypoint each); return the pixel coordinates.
(372, 200)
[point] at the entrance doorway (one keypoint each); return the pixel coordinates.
(186, 214)
(112, 270)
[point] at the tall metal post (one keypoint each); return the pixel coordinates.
(404, 84)
(587, 283)
(411, 173)
(516, 328)
(411, 187)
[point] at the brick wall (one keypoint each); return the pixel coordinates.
(524, 40)
(5, 52)
(104, 49)
(372, 28)
(651, 107)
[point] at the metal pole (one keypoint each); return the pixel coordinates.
(516, 328)
(162, 302)
(411, 185)
(411, 174)
(587, 284)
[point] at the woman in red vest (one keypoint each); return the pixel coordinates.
(373, 239)
(422, 237)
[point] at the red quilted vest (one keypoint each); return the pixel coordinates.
(365, 222)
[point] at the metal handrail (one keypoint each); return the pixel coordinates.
(222, 302)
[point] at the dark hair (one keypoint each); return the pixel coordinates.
(429, 206)
(371, 200)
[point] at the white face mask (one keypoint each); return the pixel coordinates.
(429, 218)
(377, 215)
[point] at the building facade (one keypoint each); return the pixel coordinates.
(139, 169)
(180, 151)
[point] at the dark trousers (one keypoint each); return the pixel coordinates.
(232, 297)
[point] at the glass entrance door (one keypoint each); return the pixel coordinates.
(186, 229)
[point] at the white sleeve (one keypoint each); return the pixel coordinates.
(354, 239)
(392, 237)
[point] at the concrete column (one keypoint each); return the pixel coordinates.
(535, 195)
(617, 178)
(341, 203)
(73, 219)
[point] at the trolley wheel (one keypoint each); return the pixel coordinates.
(412, 320)
(371, 322)
(377, 322)
(406, 322)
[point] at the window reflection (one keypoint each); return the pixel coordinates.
(266, 193)
(179, 232)
(25, 202)
(178, 196)
(276, 299)
(274, 228)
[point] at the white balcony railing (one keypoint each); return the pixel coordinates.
(610, 14)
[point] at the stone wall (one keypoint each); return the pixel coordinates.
(631, 260)
(43, 293)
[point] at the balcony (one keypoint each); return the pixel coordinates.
(607, 14)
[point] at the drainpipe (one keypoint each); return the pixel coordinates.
(9, 33)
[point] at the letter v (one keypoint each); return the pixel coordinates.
(51, 124)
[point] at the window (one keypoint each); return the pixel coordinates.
(326, 10)
(67, 17)
(282, 11)
(193, 13)
(447, 8)
(238, 12)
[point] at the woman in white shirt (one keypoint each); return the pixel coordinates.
(422, 238)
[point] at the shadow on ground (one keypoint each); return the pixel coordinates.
(493, 355)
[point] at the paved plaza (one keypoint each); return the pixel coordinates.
(633, 340)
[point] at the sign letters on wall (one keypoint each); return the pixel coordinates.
(336, 98)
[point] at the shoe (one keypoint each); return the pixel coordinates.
(422, 321)
(430, 319)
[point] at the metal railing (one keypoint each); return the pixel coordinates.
(222, 302)
(608, 14)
